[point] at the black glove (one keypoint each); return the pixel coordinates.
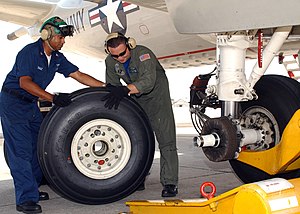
(62, 99)
(115, 95)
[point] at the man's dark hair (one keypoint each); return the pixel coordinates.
(115, 42)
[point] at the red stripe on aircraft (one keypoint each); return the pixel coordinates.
(187, 53)
(94, 16)
(125, 4)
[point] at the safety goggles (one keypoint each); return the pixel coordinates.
(66, 30)
(120, 54)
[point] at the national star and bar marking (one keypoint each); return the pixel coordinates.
(111, 14)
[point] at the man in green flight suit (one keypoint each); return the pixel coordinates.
(147, 83)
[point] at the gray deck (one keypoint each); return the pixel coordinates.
(194, 169)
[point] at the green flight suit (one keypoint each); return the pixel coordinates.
(148, 76)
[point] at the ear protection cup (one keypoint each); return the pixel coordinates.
(130, 42)
(45, 34)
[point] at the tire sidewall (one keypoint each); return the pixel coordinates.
(57, 161)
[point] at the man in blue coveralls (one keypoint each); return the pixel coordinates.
(34, 69)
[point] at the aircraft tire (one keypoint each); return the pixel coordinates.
(279, 95)
(92, 155)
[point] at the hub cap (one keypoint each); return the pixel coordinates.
(100, 149)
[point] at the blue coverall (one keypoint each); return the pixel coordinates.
(21, 117)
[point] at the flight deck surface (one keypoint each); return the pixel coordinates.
(194, 169)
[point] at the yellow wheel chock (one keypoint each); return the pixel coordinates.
(285, 156)
(275, 195)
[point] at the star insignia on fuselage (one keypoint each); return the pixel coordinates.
(110, 14)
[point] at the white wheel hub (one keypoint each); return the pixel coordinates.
(100, 149)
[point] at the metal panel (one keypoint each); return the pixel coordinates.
(25, 13)
(153, 4)
(208, 16)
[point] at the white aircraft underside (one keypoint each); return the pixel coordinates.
(153, 24)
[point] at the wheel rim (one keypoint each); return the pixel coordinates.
(100, 149)
(257, 117)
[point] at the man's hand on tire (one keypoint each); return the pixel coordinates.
(62, 99)
(115, 95)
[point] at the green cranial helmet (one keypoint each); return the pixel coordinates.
(59, 26)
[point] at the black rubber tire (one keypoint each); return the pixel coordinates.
(280, 96)
(55, 139)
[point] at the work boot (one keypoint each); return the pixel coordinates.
(169, 190)
(29, 207)
(43, 196)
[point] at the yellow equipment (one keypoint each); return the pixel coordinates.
(276, 195)
(284, 156)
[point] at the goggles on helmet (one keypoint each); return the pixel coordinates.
(66, 30)
(60, 26)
